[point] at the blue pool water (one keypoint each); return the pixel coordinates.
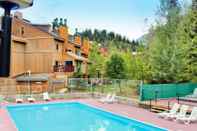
(71, 117)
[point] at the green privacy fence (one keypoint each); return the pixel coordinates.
(163, 91)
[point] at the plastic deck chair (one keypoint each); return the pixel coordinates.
(104, 99)
(173, 111)
(181, 114)
(19, 99)
(46, 96)
(191, 118)
(112, 99)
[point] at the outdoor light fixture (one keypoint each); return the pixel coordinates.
(6, 26)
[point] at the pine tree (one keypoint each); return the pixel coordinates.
(115, 67)
(167, 55)
(98, 61)
(193, 35)
(194, 5)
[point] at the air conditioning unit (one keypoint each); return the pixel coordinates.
(16, 4)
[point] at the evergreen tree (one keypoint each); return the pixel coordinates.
(98, 61)
(193, 35)
(115, 67)
(168, 7)
(194, 5)
(103, 37)
(166, 55)
(111, 36)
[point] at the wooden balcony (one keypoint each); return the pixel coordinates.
(69, 69)
(62, 68)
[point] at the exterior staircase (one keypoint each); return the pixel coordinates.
(158, 109)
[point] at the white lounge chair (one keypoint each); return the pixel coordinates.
(191, 118)
(104, 99)
(31, 99)
(19, 99)
(181, 114)
(112, 99)
(173, 111)
(46, 96)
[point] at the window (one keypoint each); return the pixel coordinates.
(68, 63)
(69, 50)
(18, 32)
(57, 47)
(22, 31)
(56, 63)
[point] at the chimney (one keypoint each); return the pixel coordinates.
(18, 15)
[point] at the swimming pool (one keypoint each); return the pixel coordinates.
(72, 116)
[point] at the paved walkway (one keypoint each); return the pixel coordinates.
(6, 123)
(140, 114)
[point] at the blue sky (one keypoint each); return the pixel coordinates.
(121, 16)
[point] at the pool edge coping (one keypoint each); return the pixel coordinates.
(83, 103)
(123, 116)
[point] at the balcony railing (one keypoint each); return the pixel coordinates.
(61, 68)
(69, 68)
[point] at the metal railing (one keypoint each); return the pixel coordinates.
(71, 88)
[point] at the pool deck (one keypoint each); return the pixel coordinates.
(140, 114)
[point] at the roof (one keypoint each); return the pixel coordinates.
(42, 27)
(71, 39)
(72, 42)
(46, 28)
(80, 58)
(56, 36)
(33, 78)
(75, 44)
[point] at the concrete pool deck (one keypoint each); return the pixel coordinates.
(140, 114)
